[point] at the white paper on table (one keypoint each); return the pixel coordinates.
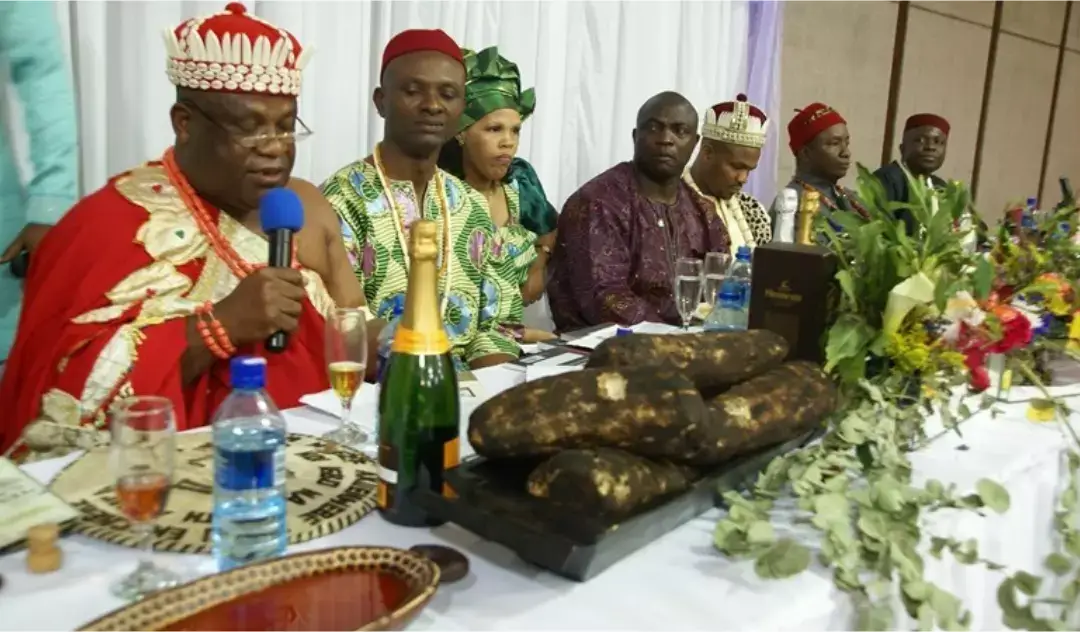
(594, 339)
(656, 328)
(558, 360)
(365, 402)
(535, 372)
(529, 349)
(473, 388)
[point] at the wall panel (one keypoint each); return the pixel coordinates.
(1065, 144)
(1074, 30)
(953, 90)
(1038, 20)
(1016, 123)
(839, 53)
(977, 12)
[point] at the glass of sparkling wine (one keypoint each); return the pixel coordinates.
(142, 453)
(346, 358)
(687, 288)
(716, 265)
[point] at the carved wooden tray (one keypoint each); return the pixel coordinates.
(349, 588)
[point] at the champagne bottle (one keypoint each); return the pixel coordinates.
(418, 402)
(808, 210)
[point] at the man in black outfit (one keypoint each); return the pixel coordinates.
(922, 151)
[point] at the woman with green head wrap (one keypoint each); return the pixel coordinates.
(483, 154)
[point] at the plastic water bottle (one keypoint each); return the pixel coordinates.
(739, 274)
(729, 313)
(787, 205)
(386, 339)
(249, 470)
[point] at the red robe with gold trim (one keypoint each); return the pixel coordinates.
(106, 298)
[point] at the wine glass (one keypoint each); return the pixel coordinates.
(687, 288)
(716, 265)
(142, 454)
(346, 361)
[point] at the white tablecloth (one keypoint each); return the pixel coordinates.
(676, 582)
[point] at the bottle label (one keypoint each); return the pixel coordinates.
(240, 470)
(451, 459)
(412, 342)
(388, 464)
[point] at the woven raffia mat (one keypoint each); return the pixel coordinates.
(328, 488)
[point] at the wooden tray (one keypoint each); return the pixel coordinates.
(249, 590)
(492, 503)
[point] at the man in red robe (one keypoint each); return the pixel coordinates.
(150, 284)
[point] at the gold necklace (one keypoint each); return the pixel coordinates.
(399, 221)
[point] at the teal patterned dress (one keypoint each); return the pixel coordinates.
(480, 298)
(31, 46)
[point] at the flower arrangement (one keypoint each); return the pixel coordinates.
(918, 319)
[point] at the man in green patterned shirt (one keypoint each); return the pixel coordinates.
(421, 98)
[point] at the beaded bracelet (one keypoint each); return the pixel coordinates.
(213, 333)
(208, 340)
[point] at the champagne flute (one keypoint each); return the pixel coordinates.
(716, 265)
(346, 358)
(687, 288)
(142, 454)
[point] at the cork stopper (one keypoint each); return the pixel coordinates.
(43, 556)
(43, 534)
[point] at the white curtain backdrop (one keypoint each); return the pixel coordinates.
(592, 64)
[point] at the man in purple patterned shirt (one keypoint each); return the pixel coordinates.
(620, 234)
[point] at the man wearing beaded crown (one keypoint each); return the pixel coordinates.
(421, 97)
(149, 285)
(818, 136)
(732, 136)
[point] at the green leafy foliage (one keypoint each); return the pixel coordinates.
(855, 485)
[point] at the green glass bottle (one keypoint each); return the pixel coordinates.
(419, 415)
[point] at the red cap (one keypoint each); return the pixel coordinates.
(416, 40)
(927, 120)
(809, 122)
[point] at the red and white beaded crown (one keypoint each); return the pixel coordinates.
(234, 51)
(736, 122)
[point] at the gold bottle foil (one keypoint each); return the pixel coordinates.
(804, 219)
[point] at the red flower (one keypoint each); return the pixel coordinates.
(973, 344)
(998, 296)
(1015, 329)
(979, 377)
(976, 345)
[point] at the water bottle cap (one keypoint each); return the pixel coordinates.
(1032, 201)
(623, 331)
(743, 253)
(247, 372)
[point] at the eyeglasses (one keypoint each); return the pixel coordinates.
(251, 141)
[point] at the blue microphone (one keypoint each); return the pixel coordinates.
(281, 215)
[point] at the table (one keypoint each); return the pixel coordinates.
(676, 582)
